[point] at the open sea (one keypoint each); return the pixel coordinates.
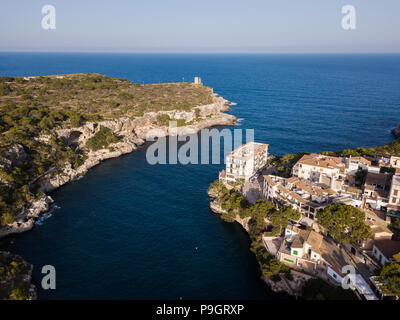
(128, 229)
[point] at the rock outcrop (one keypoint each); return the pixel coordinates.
(133, 132)
(25, 220)
(396, 131)
(14, 156)
(15, 278)
(292, 287)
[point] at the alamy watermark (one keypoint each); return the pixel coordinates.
(49, 280)
(193, 151)
(49, 18)
(349, 18)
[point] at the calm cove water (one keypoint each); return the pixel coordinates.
(127, 230)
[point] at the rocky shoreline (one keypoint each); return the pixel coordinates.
(15, 278)
(396, 131)
(291, 287)
(133, 133)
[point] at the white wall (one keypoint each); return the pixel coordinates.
(379, 255)
(334, 275)
(299, 252)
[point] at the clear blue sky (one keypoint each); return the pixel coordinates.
(270, 26)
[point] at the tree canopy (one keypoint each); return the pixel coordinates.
(389, 276)
(280, 218)
(344, 223)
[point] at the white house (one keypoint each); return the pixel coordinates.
(353, 164)
(321, 169)
(300, 246)
(386, 250)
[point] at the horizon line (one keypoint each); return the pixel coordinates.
(206, 53)
(203, 53)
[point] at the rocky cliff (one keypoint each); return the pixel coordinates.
(15, 278)
(292, 287)
(133, 133)
(396, 131)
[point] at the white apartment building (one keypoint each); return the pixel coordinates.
(394, 195)
(245, 161)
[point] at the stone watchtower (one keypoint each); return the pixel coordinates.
(197, 80)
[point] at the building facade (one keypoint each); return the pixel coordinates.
(243, 162)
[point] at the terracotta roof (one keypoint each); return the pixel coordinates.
(388, 247)
(378, 228)
(292, 180)
(298, 197)
(269, 180)
(311, 190)
(353, 190)
(320, 161)
(377, 178)
(381, 194)
(333, 255)
(369, 187)
(308, 236)
(293, 228)
(362, 160)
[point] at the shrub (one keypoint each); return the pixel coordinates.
(102, 139)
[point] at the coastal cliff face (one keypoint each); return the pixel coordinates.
(132, 133)
(15, 278)
(293, 286)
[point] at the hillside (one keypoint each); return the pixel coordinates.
(55, 128)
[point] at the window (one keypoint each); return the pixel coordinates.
(288, 260)
(395, 192)
(334, 275)
(295, 252)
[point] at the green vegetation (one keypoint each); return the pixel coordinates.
(90, 94)
(395, 227)
(258, 212)
(317, 289)
(280, 218)
(360, 177)
(285, 163)
(35, 107)
(164, 119)
(13, 273)
(102, 139)
(389, 276)
(270, 266)
(235, 204)
(344, 223)
(390, 149)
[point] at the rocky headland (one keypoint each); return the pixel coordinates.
(132, 133)
(15, 278)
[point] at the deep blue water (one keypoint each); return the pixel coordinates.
(128, 229)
